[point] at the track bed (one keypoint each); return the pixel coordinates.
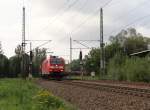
(97, 95)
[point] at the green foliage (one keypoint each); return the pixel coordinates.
(130, 41)
(17, 94)
(4, 65)
(119, 66)
(14, 66)
(39, 56)
(131, 69)
(124, 68)
(75, 65)
(115, 66)
(92, 61)
(45, 100)
(112, 49)
(137, 69)
(135, 44)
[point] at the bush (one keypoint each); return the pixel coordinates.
(130, 69)
(137, 69)
(115, 68)
(45, 100)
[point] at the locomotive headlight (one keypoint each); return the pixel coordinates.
(52, 67)
(61, 67)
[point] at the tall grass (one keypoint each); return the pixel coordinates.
(17, 94)
(130, 69)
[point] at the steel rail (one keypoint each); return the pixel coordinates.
(111, 88)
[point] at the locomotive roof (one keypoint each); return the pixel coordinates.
(50, 57)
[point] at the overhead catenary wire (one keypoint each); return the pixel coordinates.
(46, 42)
(74, 15)
(77, 28)
(67, 9)
(130, 11)
(81, 8)
(43, 44)
(52, 20)
(90, 16)
(117, 19)
(129, 24)
(107, 3)
(82, 44)
(86, 19)
(86, 43)
(61, 14)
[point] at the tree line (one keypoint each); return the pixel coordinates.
(12, 67)
(119, 64)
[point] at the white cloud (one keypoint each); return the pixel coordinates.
(52, 19)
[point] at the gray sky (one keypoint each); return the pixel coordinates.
(57, 20)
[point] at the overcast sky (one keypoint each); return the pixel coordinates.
(57, 20)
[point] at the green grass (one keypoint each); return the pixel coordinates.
(17, 94)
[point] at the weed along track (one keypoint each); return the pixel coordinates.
(95, 95)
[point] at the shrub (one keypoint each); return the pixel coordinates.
(137, 69)
(45, 100)
(115, 67)
(130, 69)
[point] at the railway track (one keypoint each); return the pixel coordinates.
(95, 95)
(120, 89)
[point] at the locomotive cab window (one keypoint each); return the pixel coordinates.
(56, 61)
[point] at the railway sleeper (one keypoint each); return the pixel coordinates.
(120, 90)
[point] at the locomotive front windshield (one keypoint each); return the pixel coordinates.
(56, 61)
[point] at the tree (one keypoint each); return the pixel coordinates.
(124, 43)
(135, 44)
(18, 50)
(121, 67)
(1, 51)
(14, 66)
(4, 66)
(92, 61)
(130, 41)
(4, 63)
(39, 56)
(75, 65)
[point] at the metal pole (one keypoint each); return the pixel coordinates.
(82, 72)
(101, 43)
(23, 31)
(81, 64)
(23, 43)
(30, 64)
(70, 53)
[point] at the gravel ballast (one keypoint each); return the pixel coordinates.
(90, 99)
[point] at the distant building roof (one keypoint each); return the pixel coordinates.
(141, 53)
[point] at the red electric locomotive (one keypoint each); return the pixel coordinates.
(53, 67)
